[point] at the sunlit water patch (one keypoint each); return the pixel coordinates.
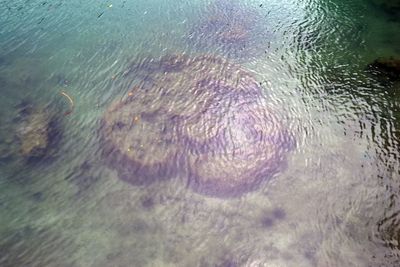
(275, 140)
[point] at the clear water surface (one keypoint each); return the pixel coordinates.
(333, 201)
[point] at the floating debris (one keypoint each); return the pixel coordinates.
(71, 103)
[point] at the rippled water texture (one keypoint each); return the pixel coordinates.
(199, 133)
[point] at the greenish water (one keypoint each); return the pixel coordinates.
(332, 202)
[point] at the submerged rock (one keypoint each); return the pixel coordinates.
(232, 29)
(202, 118)
(388, 234)
(31, 134)
(392, 8)
(386, 68)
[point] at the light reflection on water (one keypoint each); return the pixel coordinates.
(331, 202)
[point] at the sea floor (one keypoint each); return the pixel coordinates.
(333, 201)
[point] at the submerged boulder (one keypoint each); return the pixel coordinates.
(201, 118)
(33, 134)
(386, 68)
(234, 30)
(392, 8)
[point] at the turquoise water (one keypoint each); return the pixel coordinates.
(332, 201)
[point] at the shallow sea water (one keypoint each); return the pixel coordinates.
(333, 202)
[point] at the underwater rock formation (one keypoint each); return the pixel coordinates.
(31, 134)
(202, 118)
(389, 230)
(392, 8)
(232, 29)
(34, 132)
(387, 235)
(386, 68)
